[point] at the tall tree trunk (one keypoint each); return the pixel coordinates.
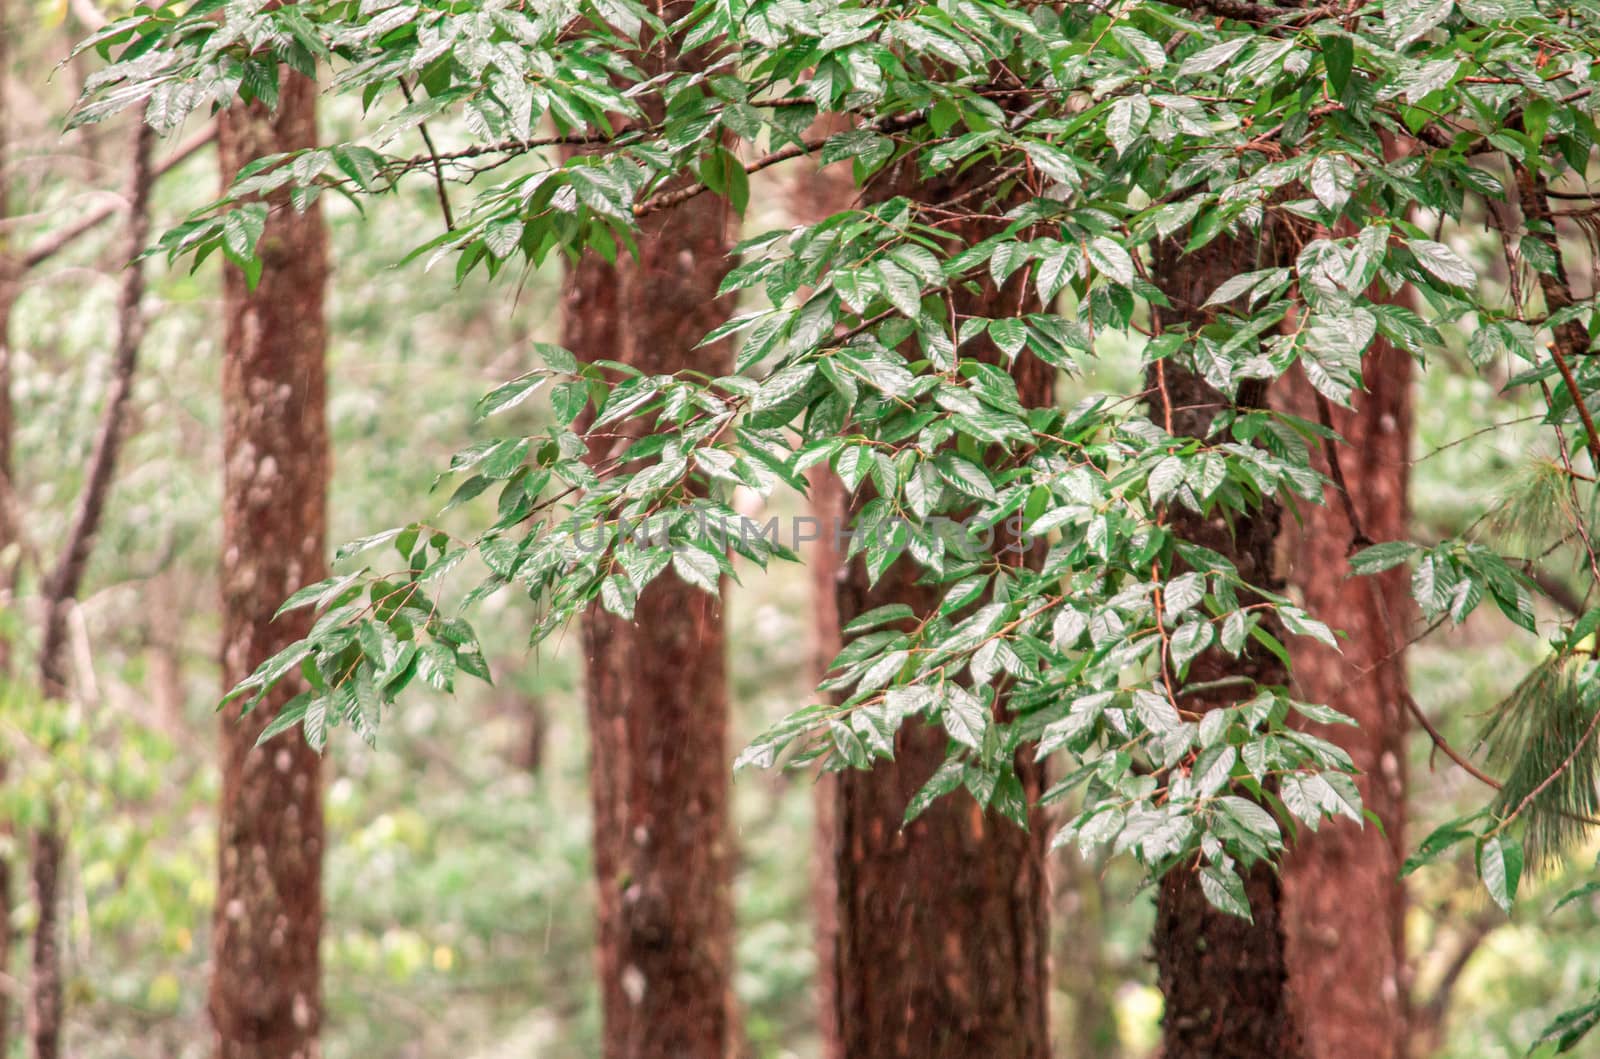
(1224, 978)
(1344, 900)
(657, 687)
(943, 946)
(265, 998)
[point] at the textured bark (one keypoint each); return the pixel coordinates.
(1344, 899)
(943, 946)
(1224, 978)
(657, 687)
(942, 924)
(265, 998)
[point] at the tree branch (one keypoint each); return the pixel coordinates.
(61, 587)
(438, 167)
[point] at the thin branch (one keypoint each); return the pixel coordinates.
(66, 579)
(438, 168)
(1443, 744)
(1330, 451)
(61, 238)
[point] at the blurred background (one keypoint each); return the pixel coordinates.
(459, 897)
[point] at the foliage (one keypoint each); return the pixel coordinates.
(1326, 136)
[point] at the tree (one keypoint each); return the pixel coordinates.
(657, 688)
(265, 999)
(1223, 972)
(1207, 124)
(1344, 900)
(942, 946)
(61, 574)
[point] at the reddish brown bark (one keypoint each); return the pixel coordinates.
(657, 689)
(1224, 978)
(943, 943)
(1344, 899)
(265, 998)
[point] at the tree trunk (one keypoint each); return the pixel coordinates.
(266, 1000)
(943, 945)
(657, 689)
(1344, 900)
(1224, 978)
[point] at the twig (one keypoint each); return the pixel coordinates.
(438, 169)
(1330, 451)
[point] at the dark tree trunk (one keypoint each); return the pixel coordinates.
(1224, 978)
(943, 944)
(266, 1000)
(1343, 896)
(657, 688)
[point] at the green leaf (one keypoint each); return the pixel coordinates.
(697, 568)
(1441, 839)
(1338, 58)
(1110, 258)
(1381, 557)
(293, 712)
(1444, 263)
(944, 780)
(1500, 868)
(1129, 116)
(964, 716)
(1224, 890)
